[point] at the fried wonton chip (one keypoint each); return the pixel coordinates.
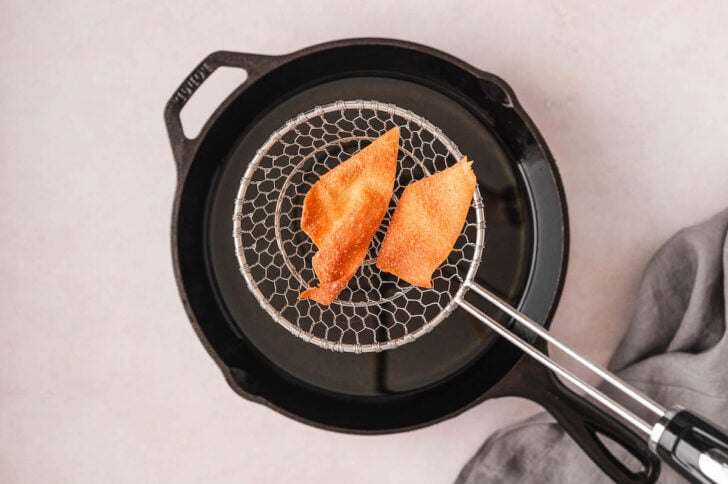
(344, 209)
(426, 224)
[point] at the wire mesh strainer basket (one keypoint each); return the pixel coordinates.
(376, 311)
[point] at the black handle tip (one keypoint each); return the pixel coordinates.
(696, 448)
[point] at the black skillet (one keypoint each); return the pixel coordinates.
(445, 372)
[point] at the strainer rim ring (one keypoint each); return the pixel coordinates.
(265, 304)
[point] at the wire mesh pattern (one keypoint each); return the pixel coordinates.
(376, 311)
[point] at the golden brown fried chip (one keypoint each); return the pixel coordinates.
(344, 209)
(428, 220)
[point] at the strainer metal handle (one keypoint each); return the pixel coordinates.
(696, 448)
(625, 388)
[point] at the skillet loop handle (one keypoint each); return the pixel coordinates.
(183, 147)
(585, 422)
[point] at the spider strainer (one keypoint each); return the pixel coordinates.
(376, 311)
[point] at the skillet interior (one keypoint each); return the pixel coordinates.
(441, 373)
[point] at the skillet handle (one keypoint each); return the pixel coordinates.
(583, 421)
(254, 65)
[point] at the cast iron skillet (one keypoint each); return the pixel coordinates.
(263, 363)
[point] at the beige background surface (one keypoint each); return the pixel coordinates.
(101, 377)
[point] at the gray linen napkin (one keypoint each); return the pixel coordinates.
(675, 350)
